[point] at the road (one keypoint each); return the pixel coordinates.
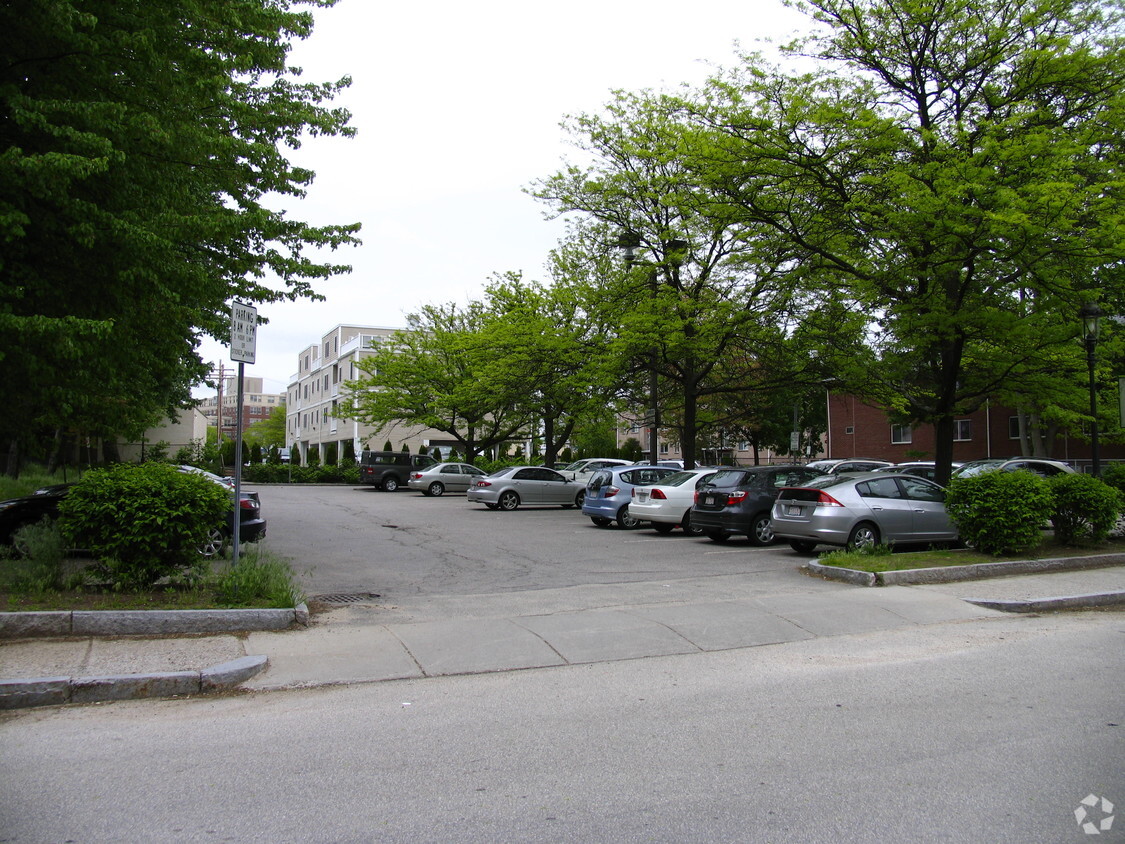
(968, 732)
(403, 544)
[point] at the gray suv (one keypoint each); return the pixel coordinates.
(389, 470)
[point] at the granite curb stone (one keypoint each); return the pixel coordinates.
(1065, 602)
(951, 574)
(54, 691)
(24, 625)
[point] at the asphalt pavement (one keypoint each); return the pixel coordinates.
(367, 641)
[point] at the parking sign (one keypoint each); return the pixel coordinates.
(243, 332)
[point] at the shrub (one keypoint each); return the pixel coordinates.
(1000, 512)
(39, 557)
(142, 521)
(1085, 508)
(1114, 475)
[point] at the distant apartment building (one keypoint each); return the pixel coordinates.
(221, 410)
(317, 389)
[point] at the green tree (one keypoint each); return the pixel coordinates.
(269, 431)
(142, 148)
(950, 171)
(432, 375)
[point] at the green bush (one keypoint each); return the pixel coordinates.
(1114, 475)
(1000, 512)
(142, 521)
(259, 580)
(1085, 508)
(38, 560)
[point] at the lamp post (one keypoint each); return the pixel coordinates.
(1091, 316)
(629, 242)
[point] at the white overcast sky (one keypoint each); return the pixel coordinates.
(457, 108)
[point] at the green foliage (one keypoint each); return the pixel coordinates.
(1114, 475)
(868, 558)
(631, 450)
(142, 521)
(1085, 508)
(348, 457)
(144, 155)
(387, 446)
(280, 473)
(38, 560)
(259, 580)
(1000, 512)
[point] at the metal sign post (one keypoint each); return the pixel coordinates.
(243, 347)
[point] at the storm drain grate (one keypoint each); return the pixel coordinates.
(345, 597)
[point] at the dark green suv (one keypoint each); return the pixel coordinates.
(389, 470)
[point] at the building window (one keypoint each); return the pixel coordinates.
(1013, 427)
(962, 430)
(850, 429)
(901, 434)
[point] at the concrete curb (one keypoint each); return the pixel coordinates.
(951, 574)
(54, 691)
(27, 625)
(1068, 602)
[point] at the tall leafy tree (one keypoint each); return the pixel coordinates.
(435, 374)
(139, 146)
(704, 290)
(951, 171)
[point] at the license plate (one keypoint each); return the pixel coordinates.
(710, 500)
(792, 511)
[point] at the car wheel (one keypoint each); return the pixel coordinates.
(625, 520)
(761, 531)
(390, 483)
(863, 535)
(717, 535)
(600, 521)
(662, 527)
(492, 506)
(215, 544)
(689, 528)
(508, 500)
(437, 488)
(802, 546)
(580, 499)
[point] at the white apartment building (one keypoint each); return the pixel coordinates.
(315, 392)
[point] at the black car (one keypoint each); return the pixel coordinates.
(739, 500)
(388, 470)
(17, 513)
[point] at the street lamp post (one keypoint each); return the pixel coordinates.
(629, 242)
(1091, 321)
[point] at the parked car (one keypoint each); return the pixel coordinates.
(388, 470)
(211, 476)
(444, 477)
(738, 500)
(1041, 466)
(922, 468)
(507, 489)
(17, 513)
(609, 492)
(862, 510)
(582, 470)
(667, 504)
(853, 464)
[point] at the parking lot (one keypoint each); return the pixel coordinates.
(358, 539)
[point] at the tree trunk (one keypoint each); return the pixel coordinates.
(13, 470)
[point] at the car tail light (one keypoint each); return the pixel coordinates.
(736, 497)
(823, 499)
(658, 495)
(248, 504)
(611, 491)
(416, 476)
(484, 483)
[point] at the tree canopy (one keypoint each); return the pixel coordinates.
(140, 145)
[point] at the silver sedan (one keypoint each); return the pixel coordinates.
(862, 510)
(444, 477)
(508, 488)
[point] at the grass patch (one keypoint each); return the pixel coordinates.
(260, 580)
(886, 559)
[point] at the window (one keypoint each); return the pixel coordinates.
(1013, 427)
(850, 429)
(901, 434)
(881, 488)
(962, 430)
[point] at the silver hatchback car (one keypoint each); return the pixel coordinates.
(862, 510)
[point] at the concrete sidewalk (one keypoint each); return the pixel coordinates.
(509, 631)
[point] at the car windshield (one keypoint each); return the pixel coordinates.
(574, 467)
(976, 467)
(826, 481)
(678, 479)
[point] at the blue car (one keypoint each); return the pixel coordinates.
(609, 491)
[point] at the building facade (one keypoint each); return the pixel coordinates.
(317, 389)
(221, 410)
